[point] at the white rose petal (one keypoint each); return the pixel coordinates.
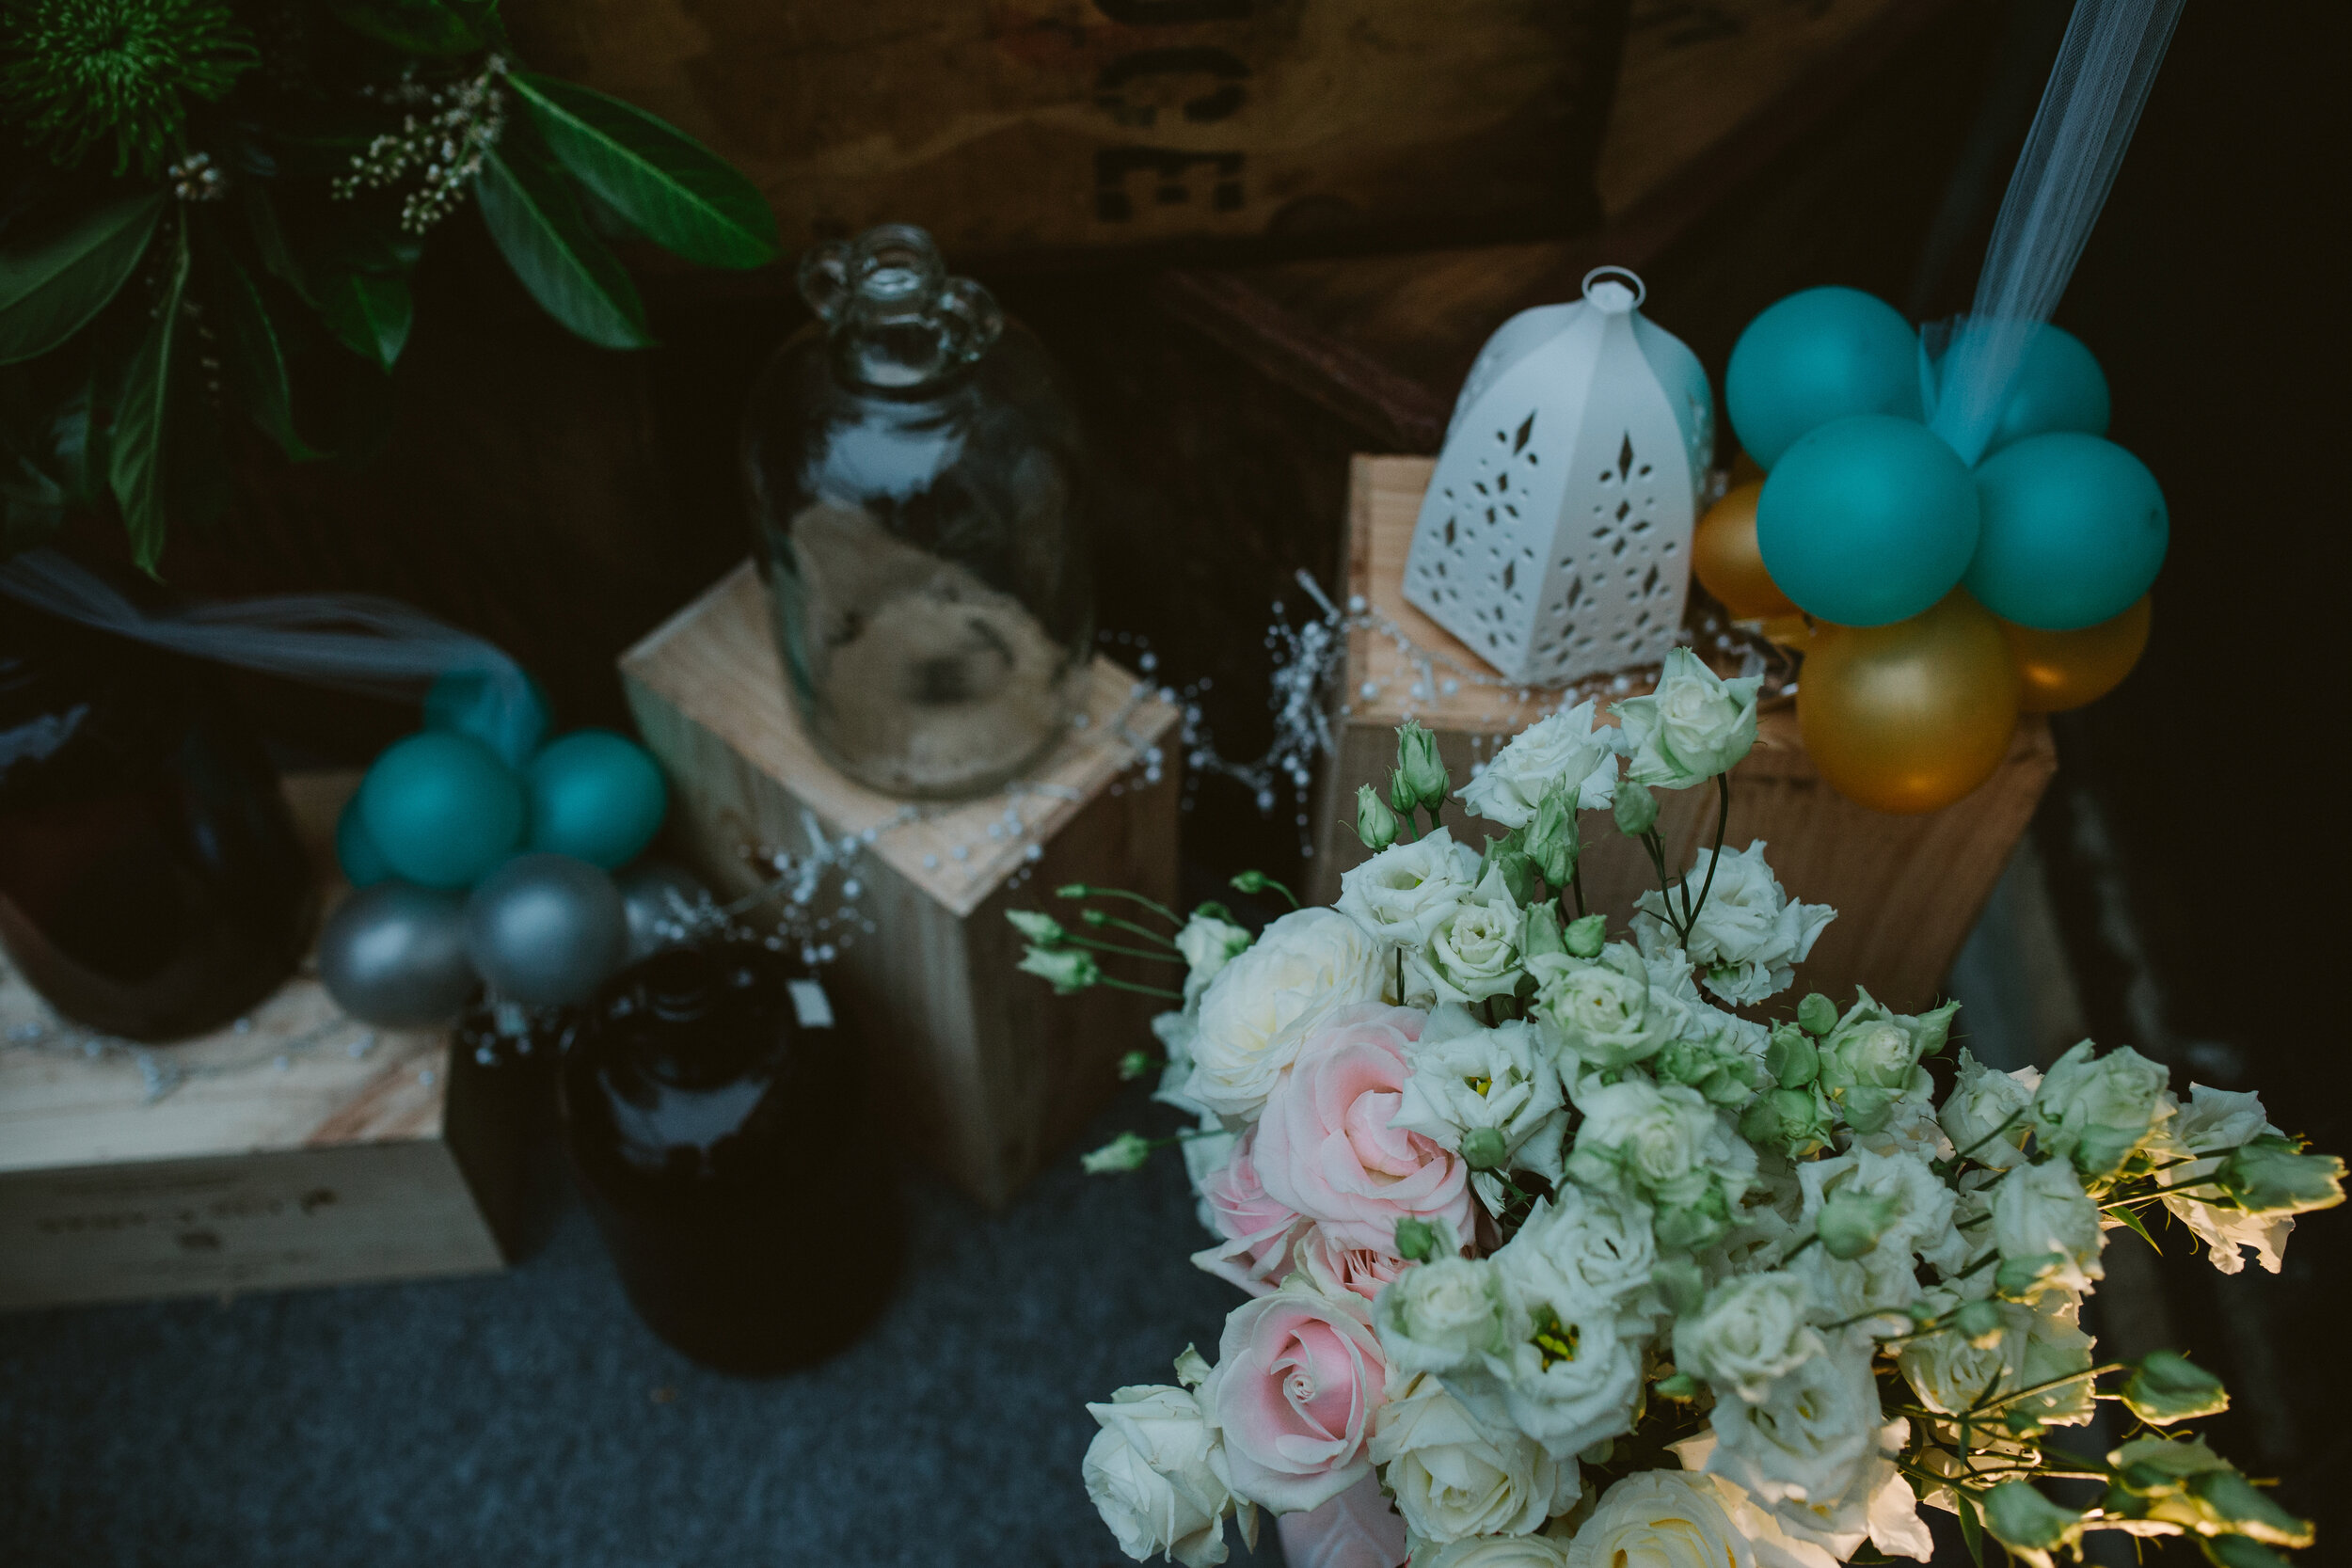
(2096, 1110)
(1473, 953)
(1694, 726)
(1587, 1243)
(1155, 1474)
(1750, 1332)
(1571, 1371)
(1685, 1519)
(1465, 1075)
(1749, 935)
(1263, 1005)
(1405, 892)
(1985, 1113)
(1208, 944)
(2042, 1209)
(1451, 1479)
(1816, 1448)
(1564, 748)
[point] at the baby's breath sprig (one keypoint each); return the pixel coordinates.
(442, 141)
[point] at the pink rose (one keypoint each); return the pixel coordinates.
(1360, 1271)
(1324, 1148)
(1259, 1232)
(1298, 1378)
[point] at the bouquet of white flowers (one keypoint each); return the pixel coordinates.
(1586, 1269)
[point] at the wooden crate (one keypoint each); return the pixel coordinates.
(988, 1074)
(298, 1148)
(1044, 129)
(1907, 889)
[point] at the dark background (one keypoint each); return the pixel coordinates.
(2191, 838)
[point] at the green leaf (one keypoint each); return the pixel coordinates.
(136, 470)
(50, 289)
(674, 190)
(371, 312)
(257, 360)
(416, 26)
(1970, 1527)
(2132, 1222)
(544, 236)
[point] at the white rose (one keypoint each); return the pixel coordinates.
(1666, 1141)
(1916, 1204)
(1592, 1243)
(1984, 1114)
(1817, 1451)
(1452, 1479)
(1441, 1315)
(2214, 1122)
(2096, 1110)
(1749, 935)
(2036, 1345)
(1208, 945)
(1685, 1519)
(1406, 891)
(1871, 1060)
(1694, 725)
(1263, 1005)
(2042, 1209)
(1564, 748)
(1473, 953)
(1494, 1551)
(1752, 1331)
(1606, 1011)
(1466, 1076)
(1156, 1474)
(1569, 1372)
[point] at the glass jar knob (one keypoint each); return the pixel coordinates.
(895, 317)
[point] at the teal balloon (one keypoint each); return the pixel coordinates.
(1818, 356)
(1867, 520)
(597, 796)
(442, 808)
(2074, 530)
(363, 864)
(511, 720)
(2058, 386)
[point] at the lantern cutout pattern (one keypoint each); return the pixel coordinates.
(1555, 536)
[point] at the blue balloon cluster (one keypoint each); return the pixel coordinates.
(1867, 518)
(472, 825)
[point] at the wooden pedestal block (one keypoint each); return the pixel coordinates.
(988, 1073)
(1907, 889)
(301, 1148)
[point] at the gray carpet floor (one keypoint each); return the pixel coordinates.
(529, 1418)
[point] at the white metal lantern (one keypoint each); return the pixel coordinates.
(1555, 538)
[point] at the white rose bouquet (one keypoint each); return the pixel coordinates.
(1575, 1267)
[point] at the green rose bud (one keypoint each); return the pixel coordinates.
(1069, 969)
(1518, 871)
(1375, 824)
(2022, 1278)
(1636, 809)
(1793, 1121)
(2166, 1387)
(1980, 1324)
(1817, 1013)
(1418, 766)
(1791, 1058)
(1415, 1239)
(1726, 1076)
(1851, 1223)
(1400, 794)
(1135, 1065)
(2273, 1176)
(1127, 1151)
(1552, 841)
(1038, 926)
(1539, 930)
(1483, 1148)
(2030, 1524)
(1586, 935)
(2240, 1507)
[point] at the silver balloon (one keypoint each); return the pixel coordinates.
(546, 928)
(394, 955)
(661, 898)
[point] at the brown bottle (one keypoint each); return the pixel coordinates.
(716, 1124)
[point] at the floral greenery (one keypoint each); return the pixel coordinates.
(81, 73)
(1585, 1269)
(214, 209)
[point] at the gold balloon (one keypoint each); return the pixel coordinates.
(2058, 669)
(1724, 554)
(1910, 717)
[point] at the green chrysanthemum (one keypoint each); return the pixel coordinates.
(76, 73)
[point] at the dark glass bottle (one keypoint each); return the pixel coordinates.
(919, 491)
(721, 1140)
(151, 882)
